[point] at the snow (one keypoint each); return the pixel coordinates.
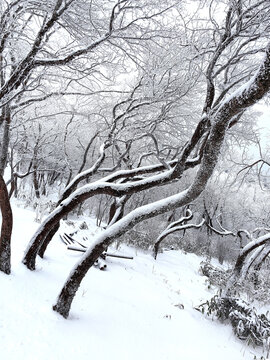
(127, 312)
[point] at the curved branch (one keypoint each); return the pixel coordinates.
(173, 227)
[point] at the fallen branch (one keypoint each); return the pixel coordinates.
(103, 255)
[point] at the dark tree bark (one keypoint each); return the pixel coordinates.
(5, 208)
(48, 239)
(6, 228)
(69, 291)
(36, 183)
(5, 118)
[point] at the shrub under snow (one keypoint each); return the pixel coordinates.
(246, 323)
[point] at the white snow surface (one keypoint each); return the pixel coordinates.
(126, 313)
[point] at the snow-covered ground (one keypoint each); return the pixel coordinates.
(128, 312)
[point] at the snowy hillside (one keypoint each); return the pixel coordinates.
(131, 311)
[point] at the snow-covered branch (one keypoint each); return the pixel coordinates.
(174, 227)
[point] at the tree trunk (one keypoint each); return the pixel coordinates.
(35, 182)
(48, 239)
(5, 140)
(243, 263)
(156, 247)
(47, 229)
(70, 288)
(6, 228)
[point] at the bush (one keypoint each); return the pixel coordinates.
(247, 324)
(217, 277)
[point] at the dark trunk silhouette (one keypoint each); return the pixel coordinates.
(6, 228)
